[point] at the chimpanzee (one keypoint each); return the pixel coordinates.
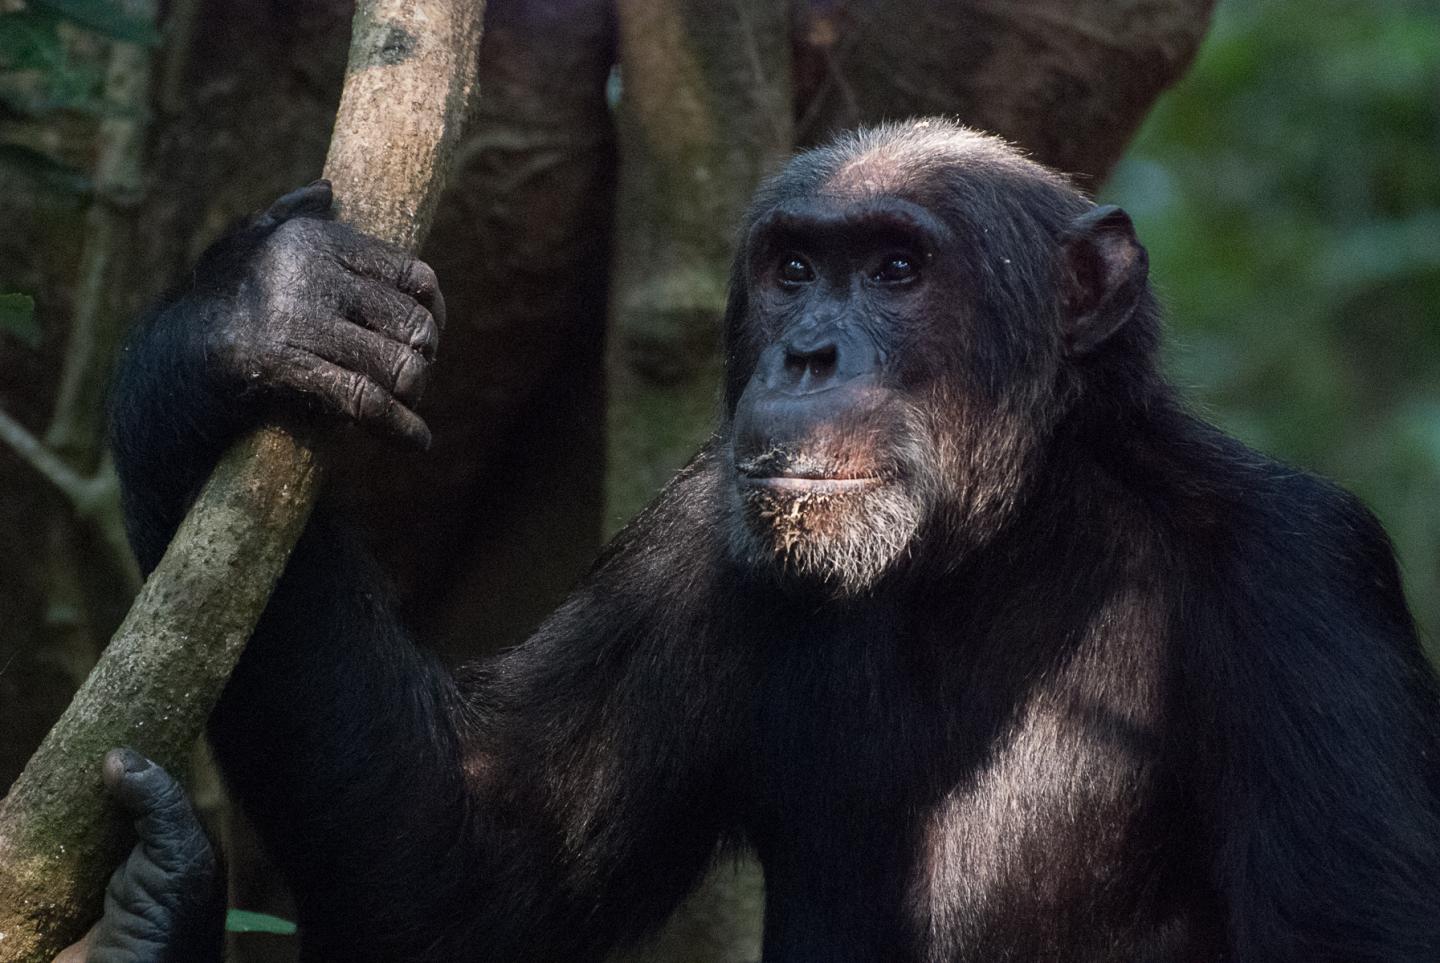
(986, 646)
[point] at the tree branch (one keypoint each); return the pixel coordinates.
(95, 499)
(412, 67)
(38, 456)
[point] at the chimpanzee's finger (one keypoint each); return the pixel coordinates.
(422, 285)
(396, 367)
(167, 900)
(386, 263)
(164, 819)
(313, 200)
(349, 394)
(401, 317)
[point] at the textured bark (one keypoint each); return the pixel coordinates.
(214, 114)
(1068, 81)
(153, 688)
(411, 70)
(705, 112)
(486, 532)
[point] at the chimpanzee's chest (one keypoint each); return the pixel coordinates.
(1030, 823)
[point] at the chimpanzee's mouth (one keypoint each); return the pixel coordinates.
(785, 472)
(809, 484)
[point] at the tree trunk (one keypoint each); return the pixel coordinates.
(59, 838)
(485, 533)
(704, 114)
(1067, 80)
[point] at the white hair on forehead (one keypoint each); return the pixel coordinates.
(892, 156)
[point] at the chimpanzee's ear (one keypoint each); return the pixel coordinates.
(1104, 276)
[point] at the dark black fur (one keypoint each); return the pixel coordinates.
(1132, 692)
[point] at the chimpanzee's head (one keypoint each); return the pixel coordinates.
(913, 309)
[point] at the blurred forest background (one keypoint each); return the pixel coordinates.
(1288, 190)
(1287, 186)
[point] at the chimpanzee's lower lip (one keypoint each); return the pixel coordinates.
(792, 483)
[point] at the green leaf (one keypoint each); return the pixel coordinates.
(17, 317)
(244, 921)
(103, 17)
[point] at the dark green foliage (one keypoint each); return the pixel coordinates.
(38, 72)
(104, 17)
(1289, 193)
(48, 70)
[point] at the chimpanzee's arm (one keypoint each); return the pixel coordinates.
(548, 805)
(538, 809)
(1326, 759)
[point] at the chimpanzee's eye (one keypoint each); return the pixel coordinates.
(794, 269)
(896, 269)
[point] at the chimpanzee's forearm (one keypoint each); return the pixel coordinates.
(338, 737)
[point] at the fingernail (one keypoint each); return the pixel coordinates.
(134, 762)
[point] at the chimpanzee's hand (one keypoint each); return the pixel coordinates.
(323, 314)
(166, 903)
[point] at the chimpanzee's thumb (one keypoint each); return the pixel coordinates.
(164, 819)
(312, 200)
(165, 904)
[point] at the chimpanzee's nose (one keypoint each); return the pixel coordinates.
(818, 361)
(818, 358)
(810, 388)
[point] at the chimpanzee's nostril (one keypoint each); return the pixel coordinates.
(819, 363)
(822, 362)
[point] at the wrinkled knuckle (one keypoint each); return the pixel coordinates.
(169, 805)
(198, 854)
(395, 265)
(184, 854)
(355, 397)
(365, 400)
(118, 887)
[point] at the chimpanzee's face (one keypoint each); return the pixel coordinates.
(829, 452)
(898, 333)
